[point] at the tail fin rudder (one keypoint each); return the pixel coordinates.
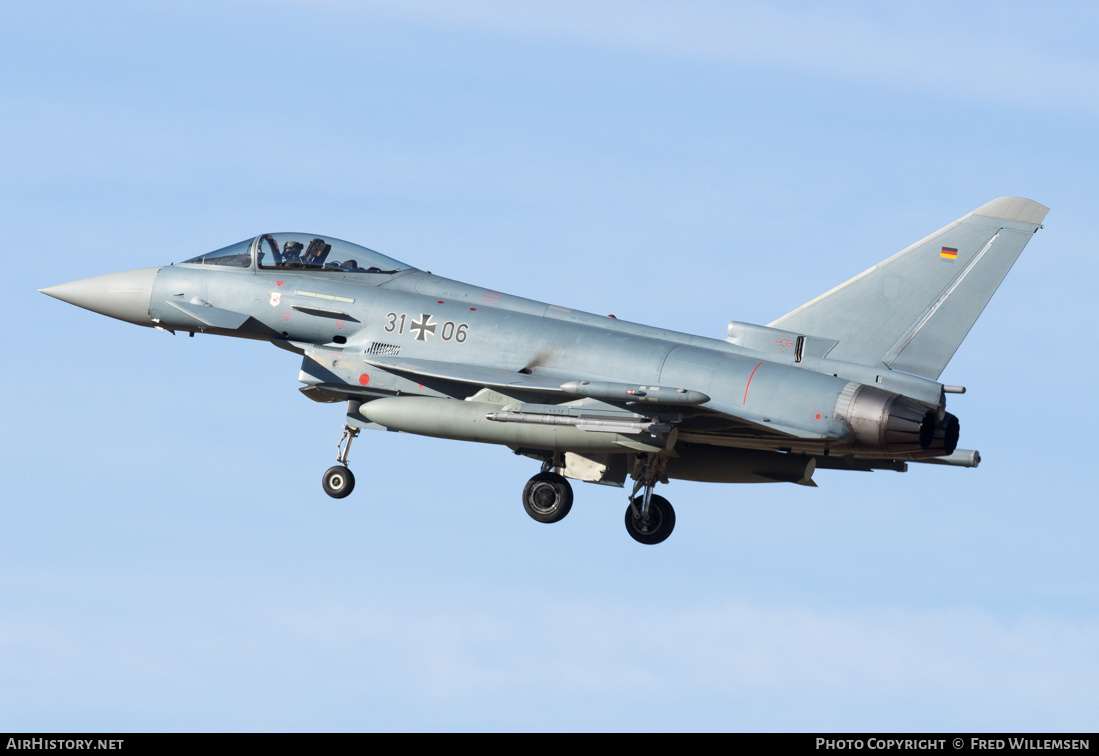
(912, 311)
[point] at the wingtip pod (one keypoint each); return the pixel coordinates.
(1014, 209)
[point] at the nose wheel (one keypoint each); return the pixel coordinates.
(338, 481)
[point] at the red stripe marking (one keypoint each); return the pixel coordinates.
(753, 375)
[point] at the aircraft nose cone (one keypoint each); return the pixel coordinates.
(118, 295)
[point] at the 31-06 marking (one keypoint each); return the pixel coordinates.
(449, 330)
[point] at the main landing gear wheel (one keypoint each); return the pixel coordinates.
(338, 482)
(657, 526)
(547, 497)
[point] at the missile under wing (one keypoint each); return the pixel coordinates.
(847, 381)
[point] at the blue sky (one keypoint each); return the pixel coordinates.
(169, 559)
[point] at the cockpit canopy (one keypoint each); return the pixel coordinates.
(301, 252)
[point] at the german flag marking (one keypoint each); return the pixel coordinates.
(949, 253)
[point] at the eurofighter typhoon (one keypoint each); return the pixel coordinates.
(848, 381)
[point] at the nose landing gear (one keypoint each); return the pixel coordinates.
(338, 481)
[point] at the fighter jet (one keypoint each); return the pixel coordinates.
(847, 381)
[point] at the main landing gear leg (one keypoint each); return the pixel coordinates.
(338, 481)
(649, 517)
(547, 496)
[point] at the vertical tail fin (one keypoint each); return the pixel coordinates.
(912, 311)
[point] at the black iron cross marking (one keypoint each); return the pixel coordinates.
(422, 326)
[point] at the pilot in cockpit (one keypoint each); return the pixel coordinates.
(291, 252)
(316, 253)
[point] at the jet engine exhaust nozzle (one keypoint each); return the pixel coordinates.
(894, 423)
(944, 435)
